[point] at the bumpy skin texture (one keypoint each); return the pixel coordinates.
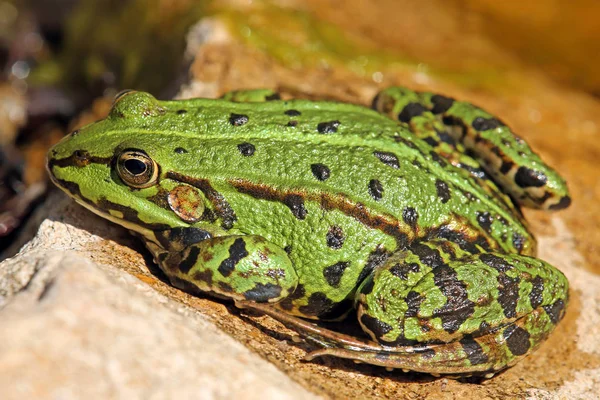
(408, 213)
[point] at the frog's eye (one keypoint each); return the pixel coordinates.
(137, 169)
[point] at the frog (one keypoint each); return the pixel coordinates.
(404, 218)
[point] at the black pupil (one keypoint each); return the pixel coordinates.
(135, 167)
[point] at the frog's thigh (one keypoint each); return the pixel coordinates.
(238, 267)
(490, 307)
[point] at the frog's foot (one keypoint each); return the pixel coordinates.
(235, 267)
(445, 123)
(454, 312)
(483, 355)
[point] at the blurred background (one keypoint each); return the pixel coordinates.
(62, 60)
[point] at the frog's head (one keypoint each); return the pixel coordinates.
(121, 169)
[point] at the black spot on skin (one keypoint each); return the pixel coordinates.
(564, 202)
(367, 288)
(376, 259)
(413, 302)
(474, 351)
(247, 149)
(526, 177)
(238, 119)
(458, 307)
(437, 158)
(518, 241)
(375, 189)
(186, 265)
(476, 172)
(508, 294)
(237, 251)
(483, 329)
(555, 311)
(464, 242)
(274, 96)
(292, 113)
(225, 287)
(443, 191)
(287, 249)
(335, 237)
(205, 276)
(496, 151)
(402, 270)
(441, 104)
(446, 138)
(181, 112)
(180, 150)
(495, 262)
(186, 286)
(506, 166)
(328, 127)
(389, 159)
(484, 219)
(261, 293)
(375, 326)
(318, 304)
(292, 123)
(427, 255)
(320, 171)
(410, 111)
(333, 273)
(410, 216)
(339, 310)
(288, 303)
(449, 120)
(183, 236)
(405, 142)
(517, 340)
(431, 141)
(536, 296)
(296, 204)
(485, 124)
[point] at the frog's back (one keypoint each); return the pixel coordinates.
(346, 158)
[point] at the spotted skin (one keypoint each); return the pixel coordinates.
(452, 127)
(408, 215)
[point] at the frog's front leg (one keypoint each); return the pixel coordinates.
(246, 268)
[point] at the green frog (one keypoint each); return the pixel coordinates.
(406, 215)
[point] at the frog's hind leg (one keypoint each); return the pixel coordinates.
(453, 312)
(437, 309)
(505, 156)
